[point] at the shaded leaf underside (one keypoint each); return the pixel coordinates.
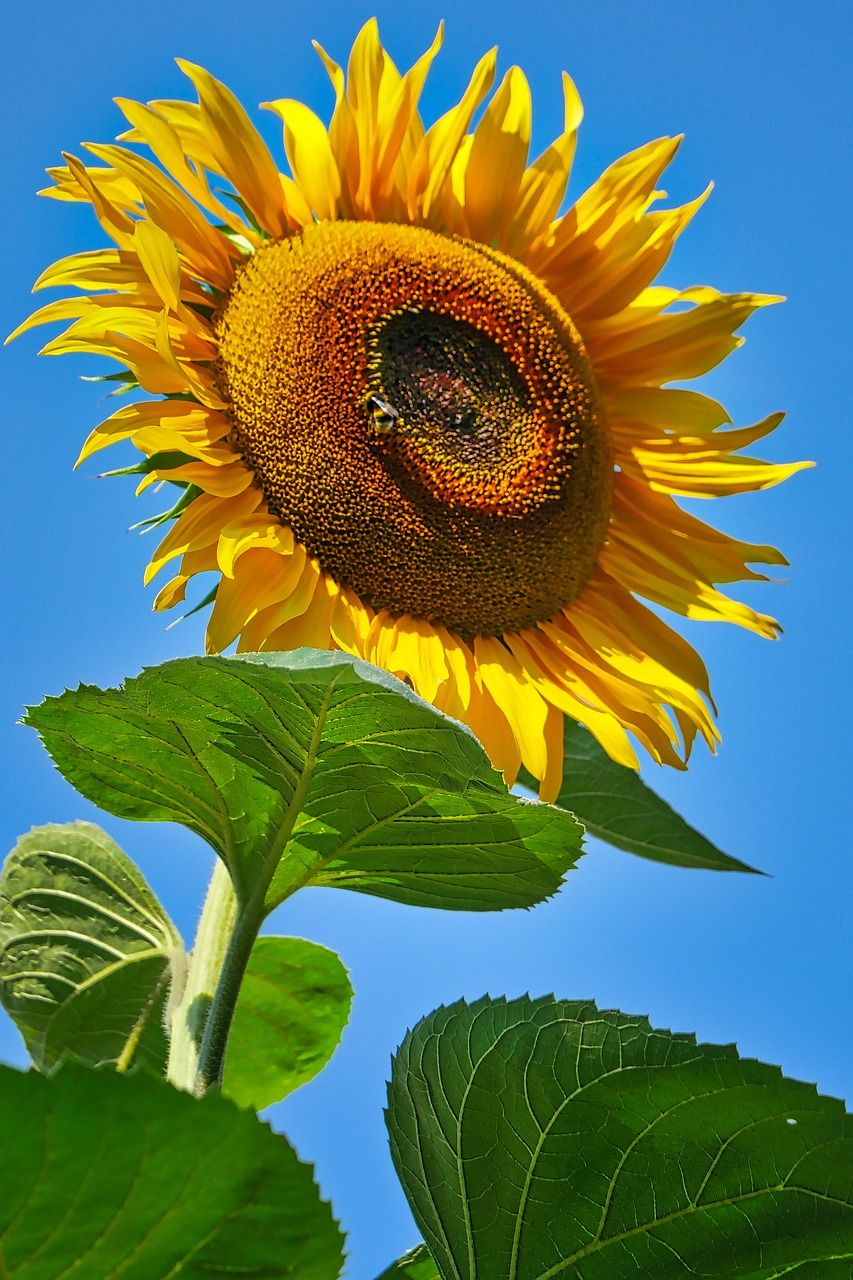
(616, 806)
(537, 1139)
(87, 953)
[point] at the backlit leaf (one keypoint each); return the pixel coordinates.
(293, 1005)
(311, 768)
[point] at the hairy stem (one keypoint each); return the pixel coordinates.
(223, 944)
(210, 950)
(211, 1057)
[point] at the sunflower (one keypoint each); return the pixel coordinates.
(414, 412)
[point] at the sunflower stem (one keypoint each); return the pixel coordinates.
(202, 1018)
(211, 1058)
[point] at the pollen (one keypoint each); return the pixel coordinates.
(419, 409)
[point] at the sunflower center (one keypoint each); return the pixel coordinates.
(420, 411)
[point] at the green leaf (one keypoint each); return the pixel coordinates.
(615, 805)
(311, 768)
(87, 954)
(106, 1175)
(543, 1138)
(415, 1265)
(293, 1006)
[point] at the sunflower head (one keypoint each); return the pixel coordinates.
(413, 409)
(419, 411)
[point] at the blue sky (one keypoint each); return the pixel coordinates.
(759, 89)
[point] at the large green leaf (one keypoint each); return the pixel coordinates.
(311, 768)
(87, 954)
(106, 1176)
(293, 1005)
(615, 805)
(537, 1139)
(415, 1265)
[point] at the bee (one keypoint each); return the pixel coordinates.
(384, 416)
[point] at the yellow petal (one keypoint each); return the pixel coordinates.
(455, 695)
(98, 269)
(655, 575)
(599, 646)
(159, 259)
(292, 604)
(71, 308)
(148, 368)
(432, 164)
(668, 408)
(543, 185)
(350, 623)
(199, 526)
(241, 153)
(173, 593)
(627, 263)
(262, 578)
(703, 467)
(517, 697)
(604, 601)
(409, 648)
(113, 219)
(707, 554)
(164, 140)
(638, 709)
(210, 255)
(223, 480)
(310, 627)
(498, 158)
(100, 316)
(250, 533)
(372, 81)
(666, 346)
(76, 182)
(566, 251)
(178, 420)
(309, 153)
(549, 673)
(489, 723)
(151, 440)
(186, 119)
(552, 778)
(198, 378)
(198, 560)
(343, 135)
(400, 132)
